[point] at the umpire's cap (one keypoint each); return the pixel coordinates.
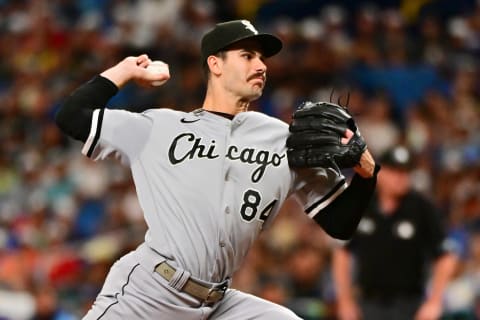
(228, 33)
(399, 157)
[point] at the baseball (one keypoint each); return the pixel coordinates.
(158, 67)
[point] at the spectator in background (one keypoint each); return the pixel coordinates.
(398, 235)
(377, 125)
(308, 289)
(47, 306)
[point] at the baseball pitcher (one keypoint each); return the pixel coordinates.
(210, 180)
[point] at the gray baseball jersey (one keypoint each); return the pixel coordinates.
(207, 184)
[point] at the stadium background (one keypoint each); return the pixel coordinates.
(411, 69)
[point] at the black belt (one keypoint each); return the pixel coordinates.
(206, 294)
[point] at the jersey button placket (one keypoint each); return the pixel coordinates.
(227, 210)
(226, 180)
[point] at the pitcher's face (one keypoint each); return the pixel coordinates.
(244, 70)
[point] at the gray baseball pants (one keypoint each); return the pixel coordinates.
(133, 290)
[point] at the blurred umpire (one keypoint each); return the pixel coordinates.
(399, 243)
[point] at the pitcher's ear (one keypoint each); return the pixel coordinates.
(214, 64)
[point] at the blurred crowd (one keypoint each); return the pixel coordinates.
(408, 70)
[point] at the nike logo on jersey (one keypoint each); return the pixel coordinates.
(183, 120)
(187, 146)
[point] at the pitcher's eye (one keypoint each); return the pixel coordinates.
(247, 56)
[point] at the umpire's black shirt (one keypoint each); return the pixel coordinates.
(392, 250)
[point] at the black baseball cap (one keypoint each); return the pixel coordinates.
(227, 33)
(399, 157)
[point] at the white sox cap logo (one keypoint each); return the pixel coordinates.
(249, 26)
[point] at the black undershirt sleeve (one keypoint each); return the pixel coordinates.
(75, 116)
(341, 217)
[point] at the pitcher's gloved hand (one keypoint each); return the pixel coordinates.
(316, 133)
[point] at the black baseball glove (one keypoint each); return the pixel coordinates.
(315, 137)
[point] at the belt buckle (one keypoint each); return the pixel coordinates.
(220, 289)
(207, 299)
